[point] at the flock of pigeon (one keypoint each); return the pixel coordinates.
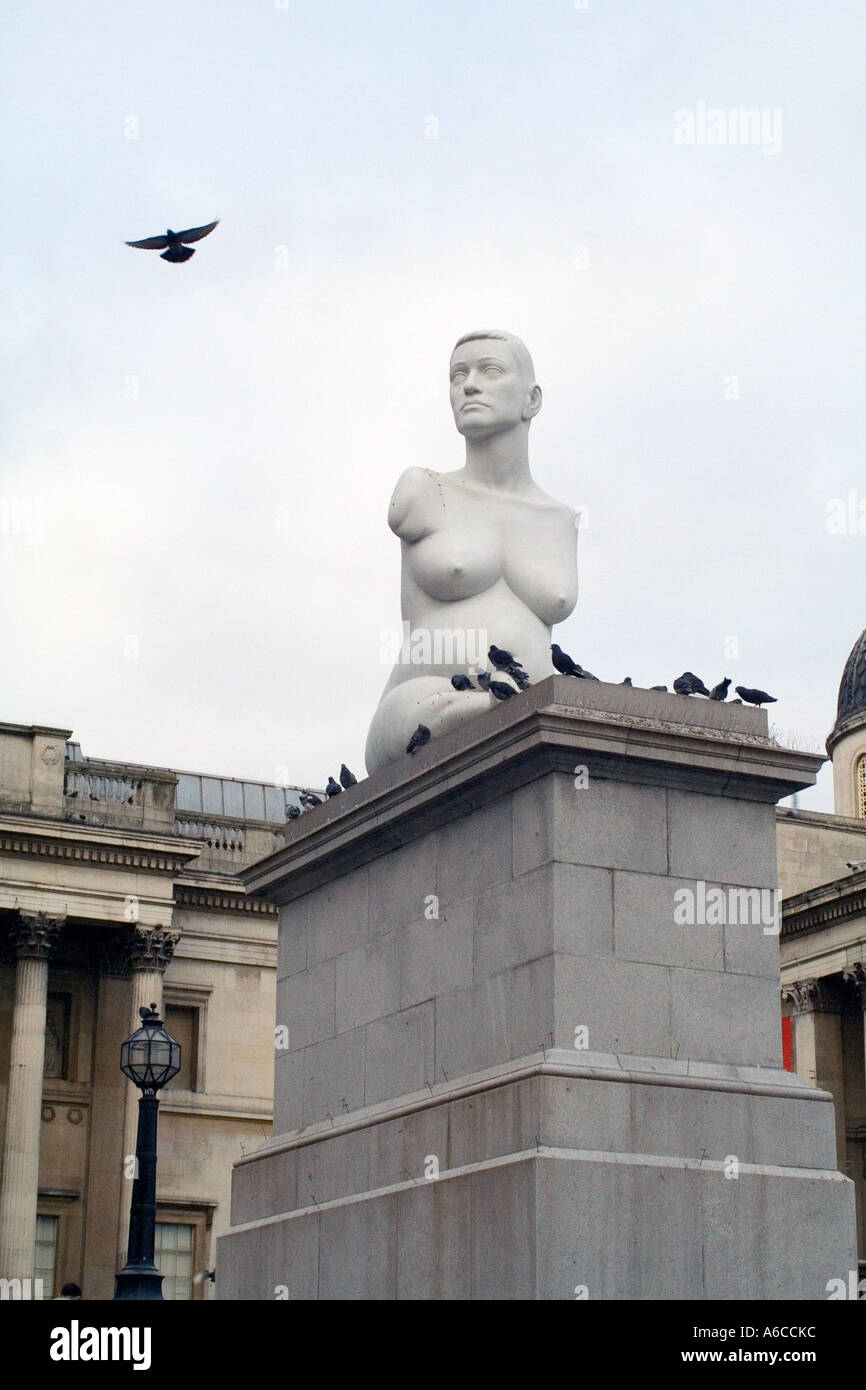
(686, 684)
(309, 800)
(506, 663)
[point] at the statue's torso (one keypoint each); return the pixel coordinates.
(475, 557)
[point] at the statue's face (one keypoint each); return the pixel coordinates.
(489, 391)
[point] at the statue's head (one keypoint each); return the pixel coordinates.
(493, 386)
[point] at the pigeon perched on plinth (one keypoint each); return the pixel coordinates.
(856, 865)
(333, 788)
(498, 689)
(309, 800)
(720, 691)
(566, 667)
(690, 684)
(462, 683)
(347, 778)
(418, 739)
(627, 681)
(292, 812)
(173, 244)
(662, 688)
(754, 697)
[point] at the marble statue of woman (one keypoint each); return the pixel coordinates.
(487, 556)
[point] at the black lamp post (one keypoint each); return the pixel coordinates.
(150, 1057)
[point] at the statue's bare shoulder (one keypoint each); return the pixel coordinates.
(409, 515)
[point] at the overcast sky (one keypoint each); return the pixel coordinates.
(195, 566)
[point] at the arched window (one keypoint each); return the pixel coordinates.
(861, 787)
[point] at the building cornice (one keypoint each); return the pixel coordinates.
(113, 847)
(839, 901)
(42, 730)
(204, 899)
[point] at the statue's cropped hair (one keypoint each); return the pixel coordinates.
(519, 348)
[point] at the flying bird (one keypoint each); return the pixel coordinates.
(347, 778)
(333, 788)
(566, 667)
(720, 691)
(755, 697)
(462, 683)
(173, 245)
(418, 739)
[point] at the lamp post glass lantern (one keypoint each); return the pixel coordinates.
(149, 1058)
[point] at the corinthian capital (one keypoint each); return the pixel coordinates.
(36, 933)
(811, 996)
(151, 949)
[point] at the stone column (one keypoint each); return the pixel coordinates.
(817, 1029)
(34, 937)
(855, 975)
(150, 950)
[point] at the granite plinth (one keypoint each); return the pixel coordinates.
(512, 1070)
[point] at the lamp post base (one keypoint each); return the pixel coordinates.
(140, 1280)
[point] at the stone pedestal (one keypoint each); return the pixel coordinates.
(510, 1061)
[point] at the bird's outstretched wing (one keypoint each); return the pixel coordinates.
(196, 233)
(151, 243)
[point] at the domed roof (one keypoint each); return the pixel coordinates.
(852, 691)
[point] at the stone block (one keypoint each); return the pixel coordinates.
(726, 1018)
(400, 883)
(436, 953)
(624, 1005)
(504, 1231)
(400, 1054)
(514, 922)
(645, 929)
(508, 1015)
(331, 1167)
(722, 840)
(292, 942)
(336, 915)
(305, 1004)
(368, 982)
(751, 951)
(273, 1262)
(434, 1241)
(263, 1188)
(585, 1113)
(612, 825)
(474, 852)
(582, 910)
(400, 1148)
(358, 1250)
(491, 1123)
(289, 1073)
(333, 1077)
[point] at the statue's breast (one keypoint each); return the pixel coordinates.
(456, 563)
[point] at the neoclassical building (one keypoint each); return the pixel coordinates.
(823, 939)
(118, 888)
